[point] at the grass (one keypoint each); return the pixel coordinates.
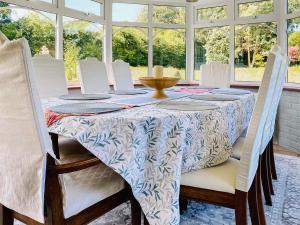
(255, 74)
(143, 72)
(241, 74)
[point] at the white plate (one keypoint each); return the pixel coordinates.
(230, 91)
(85, 97)
(215, 97)
(86, 108)
(187, 106)
(129, 92)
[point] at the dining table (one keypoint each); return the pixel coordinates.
(151, 146)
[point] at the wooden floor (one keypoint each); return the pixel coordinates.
(280, 150)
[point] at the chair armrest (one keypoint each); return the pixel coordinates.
(74, 166)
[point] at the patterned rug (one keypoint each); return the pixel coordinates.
(285, 209)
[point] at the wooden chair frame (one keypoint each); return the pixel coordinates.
(54, 213)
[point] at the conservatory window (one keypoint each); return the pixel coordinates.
(87, 6)
(82, 39)
(211, 45)
(123, 12)
(212, 13)
(169, 51)
(252, 45)
(36, 26)
(293, 6)
(294, 50)
(130, 44)
(255, 8)
(168, 15)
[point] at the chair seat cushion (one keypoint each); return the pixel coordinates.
(238, 148)
(219, 178)
(87, 187)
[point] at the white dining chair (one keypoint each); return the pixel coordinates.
(50, 76)
(215, 74)
(93, 76)
(234, 182)
(79, 187)
(122, 75)
(280, 68)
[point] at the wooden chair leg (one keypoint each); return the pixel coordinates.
(8, 218)
(146, 222)
(270, 181)
(272, 161)
(253, 204)
(260, 205)
(264, 179)
(183, 205)
(136, 212)
(241, 208)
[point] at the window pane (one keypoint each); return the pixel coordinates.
(211, 45)
(130, 45)
(123, 12)
(256, 8)
(252, 45)
(87, 6)
(294, 5)
(37, 27)
(169, 14)
(212, 13)
(294, 50)
(169, 51)
(82, 39)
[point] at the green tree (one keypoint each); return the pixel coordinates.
(71, 53)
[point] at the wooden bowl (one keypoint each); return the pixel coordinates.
(159, 84)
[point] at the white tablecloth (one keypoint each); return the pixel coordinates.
(151, 147)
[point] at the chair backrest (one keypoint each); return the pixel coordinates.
(253, 141)
(50, 76)
(93, 76)
(270, 124)
(215, 74)
(24, 140)
(122, 75)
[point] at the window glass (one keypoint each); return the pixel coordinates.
(168, 14)
(211, 45)
(252, 45)
(293, 5)
(169, 51)
(87, 6)
(37, 27)
(130, 45)
(123, 12)
(49, 1)
(82, 39)
(294, 50)
(212, 13)
(256, 8)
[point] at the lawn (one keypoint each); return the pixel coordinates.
(168, 71)
(255, 74)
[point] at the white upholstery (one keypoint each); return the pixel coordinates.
(50, 76)
(86, 187)
(24, 140)
(93, 76)
(122, 75)
(253, 141)
(238, 148)
(220, 178)
(215, 74)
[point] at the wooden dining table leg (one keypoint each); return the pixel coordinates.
(264, 178)
(8, 218)
(136, 212)
(146, 222)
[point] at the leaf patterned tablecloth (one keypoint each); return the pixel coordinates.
(151, 147)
